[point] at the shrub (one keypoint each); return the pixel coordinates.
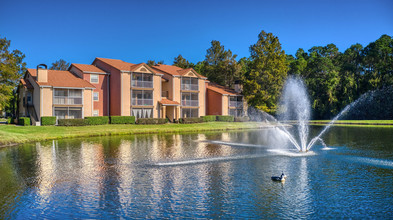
(10, 121)
(48, 120)
(190, 120)
(25, 121)
(72, 122)
(146, 121)
(228, 118)
(98, 120)
(122, 119)
(208, 118)
(242, 119)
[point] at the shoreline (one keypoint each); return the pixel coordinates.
(13, 135)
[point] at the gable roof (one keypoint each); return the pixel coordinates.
(175, 71)
(87, 68)
(124, 66)
(165, 101)
(222, 89)
(59, 78)
(26, 84)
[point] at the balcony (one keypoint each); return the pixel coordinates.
(142, 102)
(190, 87)
(190, 103)
(236, 104)
(142, 84)
(65, 100)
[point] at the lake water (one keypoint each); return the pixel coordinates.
(206, 175)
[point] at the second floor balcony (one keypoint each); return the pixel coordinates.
(142, 84)
(236, 104)
(68, 97)
(142, 80)
(193, 103)
(142, 102)
(190, 84)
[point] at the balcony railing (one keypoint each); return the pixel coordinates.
(190, 87)
(142, 101)
(190, 103)
(142, 84)
(65, 100)
(236, 104)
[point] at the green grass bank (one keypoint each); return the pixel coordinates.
(13, 134)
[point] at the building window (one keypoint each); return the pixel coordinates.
(189, 99)
(95, 113)
(142, 112)
(93, 78)
(95, 96)
(68, 112)
(189, 83)
(189, 112)
(67, 97)
(236, 101)
(142, 97)
(142, 80)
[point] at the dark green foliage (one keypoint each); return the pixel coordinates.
(228, 118)
(98, 120)
(242, 119)
(25, 121)
(48, 120)
(208, 118)
(122, 119)
(60, 65)
(10, 120)
(181, 62)
(72, 122)
(146, 121)
(190, 120)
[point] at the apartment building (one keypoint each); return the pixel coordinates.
(110, 87)
(44, 92)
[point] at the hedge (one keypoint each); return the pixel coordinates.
(48, 120)
(122, 119)
(97, 120)
(228, 118)
(145, 121)
(72, 122)
(208, 118)
(25, 121)
(190, 120)
(242, 119)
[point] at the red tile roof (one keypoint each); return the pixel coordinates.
(26, 84)
(173, 70)
(166, 101)
(88, 68)
(58, 78)
(221, 89)
(118, 64)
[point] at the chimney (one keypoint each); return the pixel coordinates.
(238, 86)
(42, 73)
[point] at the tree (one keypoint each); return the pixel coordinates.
(268, 70)
(220, 65)
(60, 65)
(12, 68)
(153, 62)
(181, 62)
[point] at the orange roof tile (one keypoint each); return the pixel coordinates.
(221, 89)
(26, 84)
(88, 68)
(166, 101)
(173, 70)
(118, 64)
(59, 78)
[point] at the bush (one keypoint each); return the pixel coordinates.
(10, 121)
(72, 122)
(25, 121)
(98, 120)
(122, 119)
(242, 119)
(228, 118)
(208, 118)
(190, 120)
(146, 121)
(48, 120)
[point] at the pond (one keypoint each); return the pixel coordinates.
(205, 175)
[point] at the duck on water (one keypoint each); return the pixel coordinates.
(279, 178)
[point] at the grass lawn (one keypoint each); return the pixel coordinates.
(13, 134)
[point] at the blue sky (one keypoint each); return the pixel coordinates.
(135, 31)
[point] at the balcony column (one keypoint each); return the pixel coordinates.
(163, 111)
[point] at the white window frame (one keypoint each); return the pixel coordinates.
(98, 96)
(96, 112)
(92, 78)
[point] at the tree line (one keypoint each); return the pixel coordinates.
(334, 79)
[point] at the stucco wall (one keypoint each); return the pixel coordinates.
(87, 102)
(156, 95)
(202, 97)
(47, 102)
(126, 94)
(225, 105)
(176, 89)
